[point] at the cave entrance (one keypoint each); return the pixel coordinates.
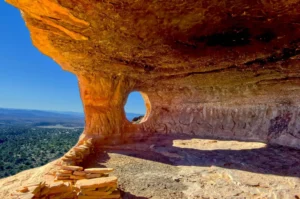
(137, 107)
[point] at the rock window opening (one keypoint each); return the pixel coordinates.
(137, 107)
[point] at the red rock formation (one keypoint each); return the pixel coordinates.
(222, 69)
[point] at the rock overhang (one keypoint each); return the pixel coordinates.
(157, 38)
(210, 68)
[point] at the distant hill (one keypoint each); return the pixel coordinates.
(45, 118)
(40, 118)
(130, 116)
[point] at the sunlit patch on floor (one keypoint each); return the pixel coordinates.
(217, 144)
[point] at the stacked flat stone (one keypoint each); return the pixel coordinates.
(74, 173)
(56, 190)
(98, 188)
(77, 153)
(74, 182)
(66, 172)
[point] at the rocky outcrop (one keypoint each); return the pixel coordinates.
(221, 69)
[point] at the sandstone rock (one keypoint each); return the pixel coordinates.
(94, 175)
(93, 189)
(45, 191)
(79, 155)
(68, 156)
(89, 142)
(23, 189)
(72, 168)
(77, 177)
(88, 197)
(36, 190)
(228, 70)
(96, 183)
(105, 190)
(99, 170)
(66, 159)
(79, 173)
(59, 187)
(114, 196)
(81, 152)
(63, 196)
(94, 193)
(68, 195)
(65, 171)
(34, 184)
(26, 196)
(99, 191)
(62, 178)
(81, 148)
(63, 174)
(68, 163)
(70, 152)
(202, 73)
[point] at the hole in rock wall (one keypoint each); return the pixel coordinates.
(137, 107)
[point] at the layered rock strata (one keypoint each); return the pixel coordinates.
(220, 69)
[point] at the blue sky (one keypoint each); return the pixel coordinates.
(31, 80)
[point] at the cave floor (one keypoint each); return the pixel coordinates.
(202, 169)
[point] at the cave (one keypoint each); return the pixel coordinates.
(222, 70)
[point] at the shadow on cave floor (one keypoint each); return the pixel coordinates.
(246, 156)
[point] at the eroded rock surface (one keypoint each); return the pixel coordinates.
(208, 69)
(222, 69)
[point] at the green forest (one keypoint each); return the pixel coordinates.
(23, 148)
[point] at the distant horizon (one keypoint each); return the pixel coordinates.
(29, 109)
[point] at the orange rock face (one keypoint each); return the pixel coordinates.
(220, 69)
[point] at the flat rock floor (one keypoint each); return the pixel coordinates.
(202, 169)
